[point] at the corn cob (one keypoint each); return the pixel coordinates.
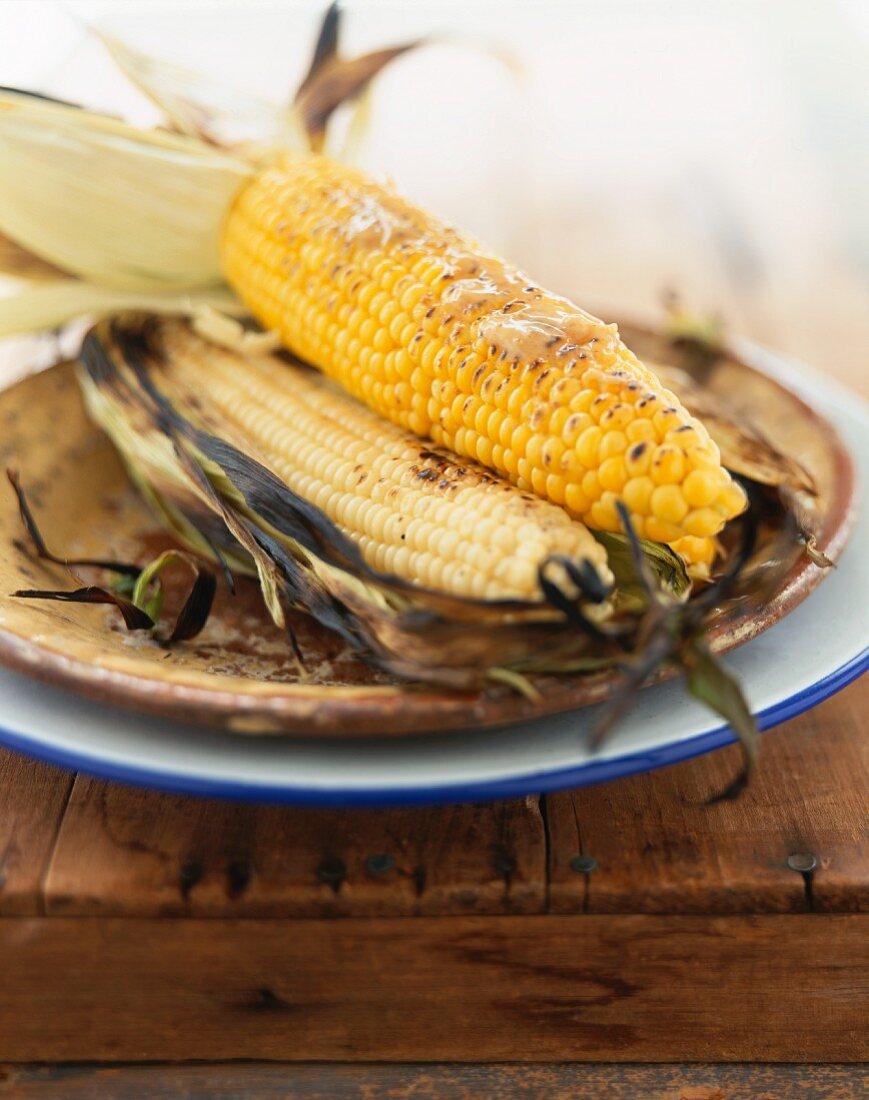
(455, 345)
(415, 514)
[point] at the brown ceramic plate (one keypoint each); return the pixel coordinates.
(238, 674)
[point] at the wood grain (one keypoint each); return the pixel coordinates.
(644, 988)
(658, 848)
(271, 1081)
(32, 804)
(126, 852)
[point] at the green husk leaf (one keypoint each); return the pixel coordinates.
(667, 566)
(709, 681)
(197, 607)
(136, 592)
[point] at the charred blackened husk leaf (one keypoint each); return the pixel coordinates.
(333, 80)
(137, 591)
(134, 617)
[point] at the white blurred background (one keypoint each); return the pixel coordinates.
(716, 147)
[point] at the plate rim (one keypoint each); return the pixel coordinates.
(571, 777)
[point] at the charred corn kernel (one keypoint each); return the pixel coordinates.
(638, 458)
(412, 512)
(668, 466)
(558, 402)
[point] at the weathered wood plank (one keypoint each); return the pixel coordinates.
(644, 988)
(271, 1081)
(31, 806)
(657, 847)
(139, 853)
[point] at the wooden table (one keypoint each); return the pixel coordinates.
(627, 923)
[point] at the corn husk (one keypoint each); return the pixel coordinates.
(109, 203)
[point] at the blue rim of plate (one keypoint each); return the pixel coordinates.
(515, 786)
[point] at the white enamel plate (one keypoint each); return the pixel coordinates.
(812, 653)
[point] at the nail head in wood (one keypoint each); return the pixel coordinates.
(804, 862)
(332, 871)
(379, 864)
(583, 865)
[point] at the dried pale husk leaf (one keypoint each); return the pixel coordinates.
(228, 332)
(48, 305)
(17, 262)
(110, 203)
(209, 110)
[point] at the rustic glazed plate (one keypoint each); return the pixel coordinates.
(239, 673)
(811, 653)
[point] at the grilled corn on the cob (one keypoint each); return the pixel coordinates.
(442, 338)
(409, 315)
